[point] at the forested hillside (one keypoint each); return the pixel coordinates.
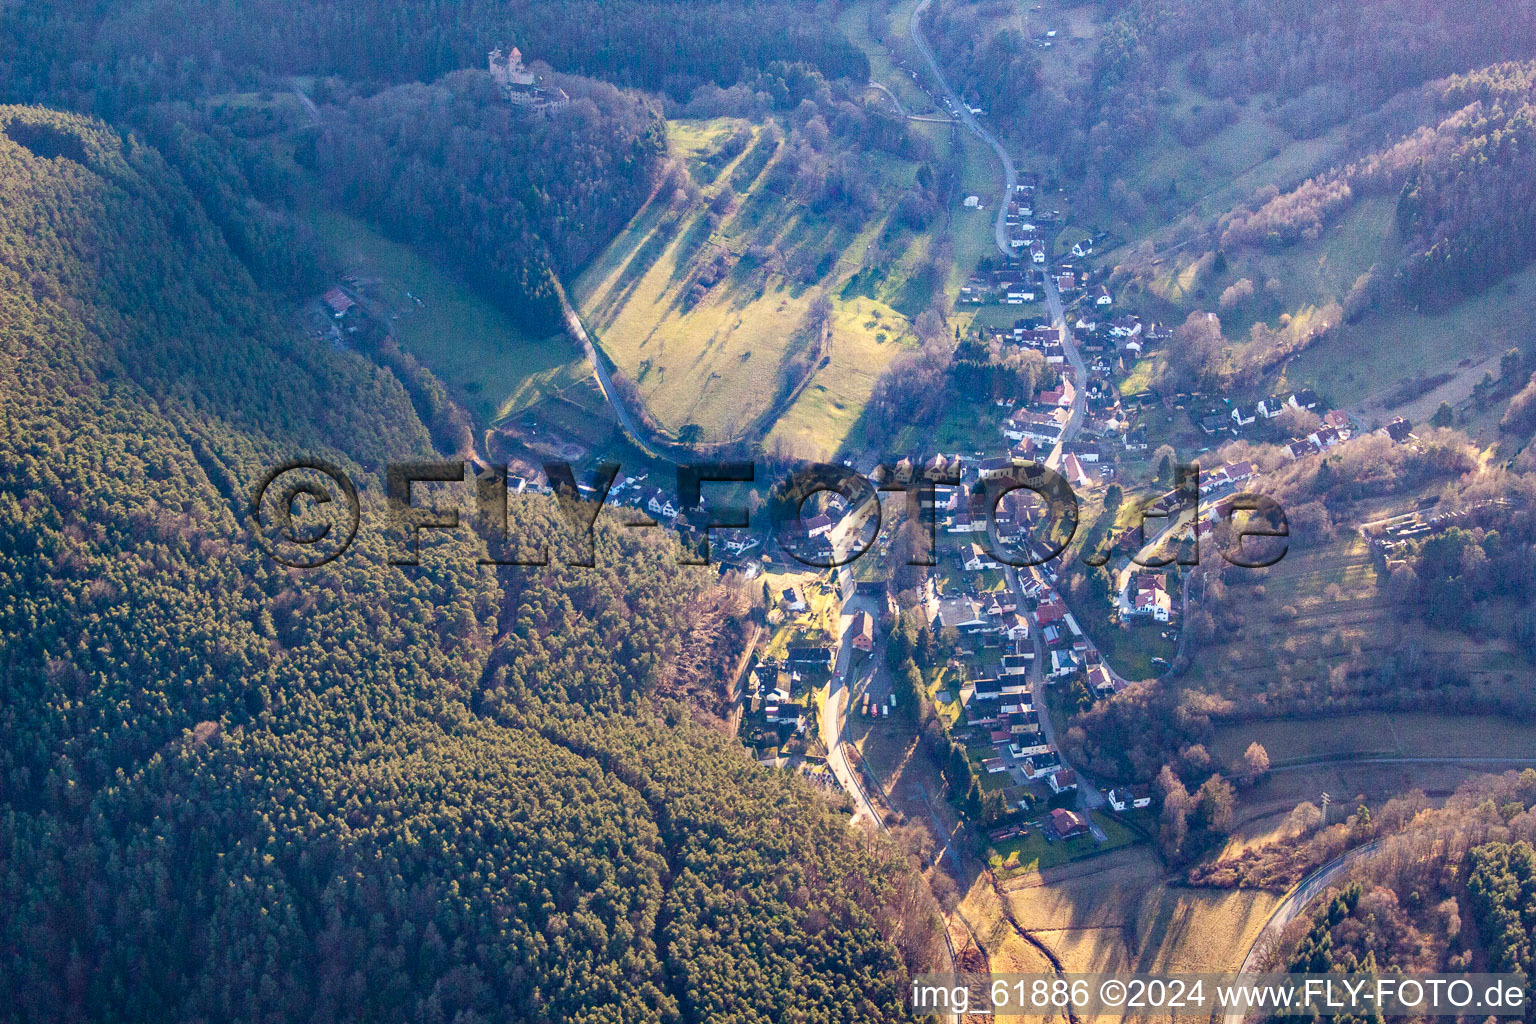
(112, 57)
(1464, 183)
(506, 195)
(998, 68)
(357, 792)
(1447, 889)
(1323, 63)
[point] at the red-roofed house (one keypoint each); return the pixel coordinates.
(339, 302)
(1066, 824)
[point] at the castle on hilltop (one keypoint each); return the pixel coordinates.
(520, 85)
(508, 72)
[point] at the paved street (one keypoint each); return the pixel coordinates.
(1088, 795)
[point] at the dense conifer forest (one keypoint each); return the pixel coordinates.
(356, 792)
(111, 58)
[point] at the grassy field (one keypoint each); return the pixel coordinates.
(1318, 611)
(1372, 357)
(1385, 734)
(715, 357)
(1032, 853)
(1119, 914)
(494, 369)
(1008, 952)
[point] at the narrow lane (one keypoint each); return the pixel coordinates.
(626, 418)
(1089, 796)
(962, 113)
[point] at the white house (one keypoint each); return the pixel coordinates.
(1123, 797)
(1062, 780)
(976, 559)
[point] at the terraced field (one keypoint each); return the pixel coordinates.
(712, 309)
(1318, 612)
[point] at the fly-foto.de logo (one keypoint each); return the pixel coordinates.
(305, 513)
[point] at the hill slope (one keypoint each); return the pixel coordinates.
(357, 792)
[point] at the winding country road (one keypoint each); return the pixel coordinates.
(963, 114)
(577, 330)
(1292, 906)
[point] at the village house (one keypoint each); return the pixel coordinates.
(1077, 476)
(1061, 781)
(1062, 395)
(1017, 664)
(1151, 596)
(1301, 448)
(1122, 798)
(1065, 824)
(817, 657)
(1063, 664)
(976, 558)
(1025, 425)
(961, 614)
(1272, 406)
(964, 522)
(1027, 744)
(995, 468)
(1233, 473)
(1306, 398)
(1051, 609)
(339, 302)
(864, 632)
(660, 505)
(1125, 327)
(1325, 438)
